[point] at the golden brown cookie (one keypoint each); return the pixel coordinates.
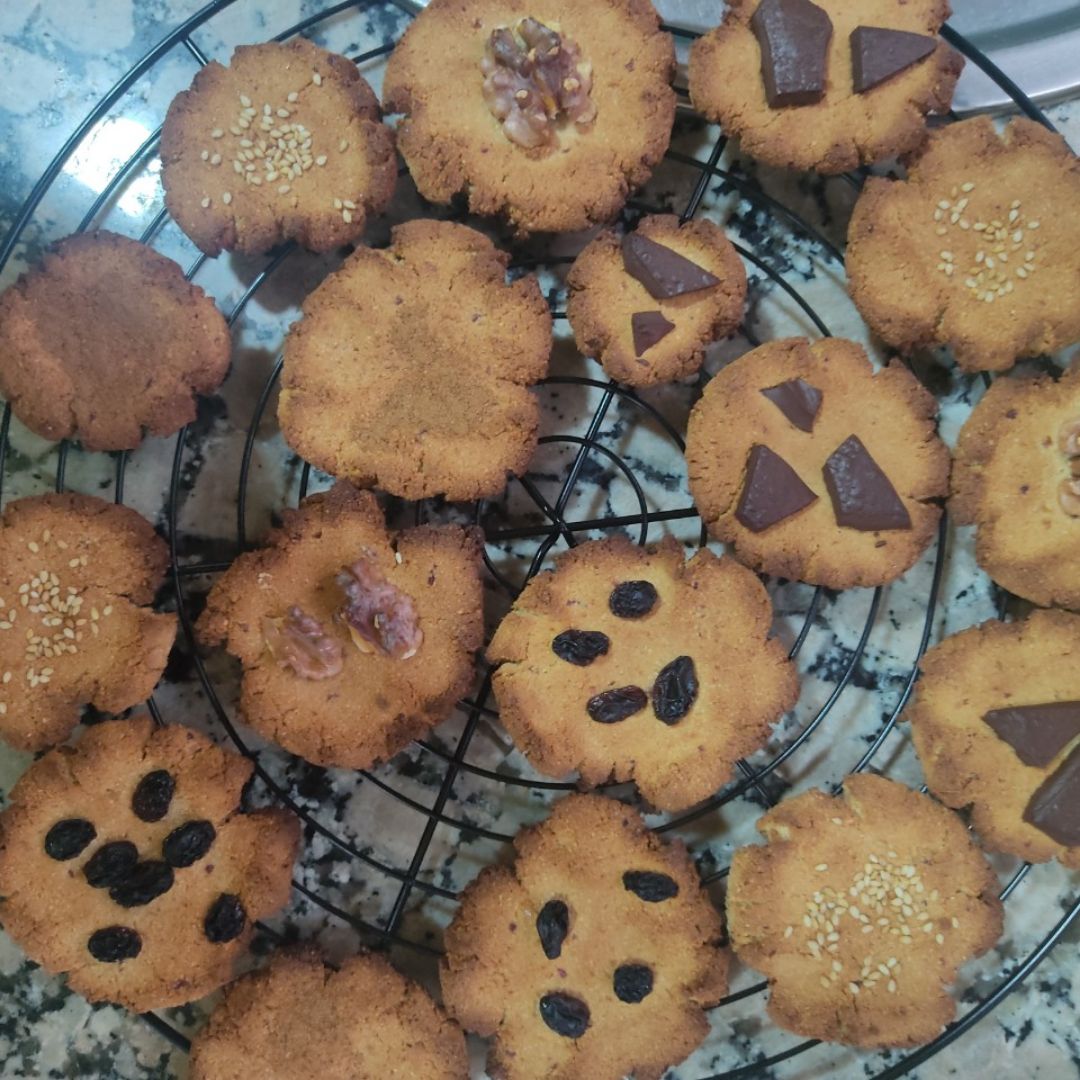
(548, 112)
(995, 720)
(646, 316)
(410, 369)
(364, 1021)
(1017, 460)
(814, 467)
(840, 128)
(615, 665)
(354, 641)
(77, 576)
(105, 338)
(126, 863)
(859, 910)
(593, 957)
(978, 249)
(283, 144)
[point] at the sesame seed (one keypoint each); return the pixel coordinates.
(317, 79)
(346, 216)
(294, 96)
(939, 938)
(6, 677)
(236, 130)
(217, 133)
(215, 159)
(825, 982)
(284, 189)
(789, 931)
(343, 146)
(821, 867)
(205, 204)
(892, 986)
(1033, 224)
(320, 160)
(284, 113)
(944, 204)
(969, 186)
(205, 155)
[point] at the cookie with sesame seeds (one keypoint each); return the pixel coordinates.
(285, 143)
(411, 367)
(360, 1021)
(860, 909)
(127, 864)
(77, 577)
(105, 339)
(547, 112)
(593, 956)
(645, 305)
(978, 249)
(353, 640)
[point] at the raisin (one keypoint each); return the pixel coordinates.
(650, 886)
(614, 705)
(552, 924)
(225, 920)
(111, 864)
(146, 882)
(580, 647)
(188, 843)
(633, 983)
(153, 795)
(632, 599)
(113, 944)
(675, 690)
(68, 838)
(565, 1014)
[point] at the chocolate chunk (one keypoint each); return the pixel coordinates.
(632, 599)
(110, 864)
(225, 920)
(552, 924)
(771, 492)
(112, 944)
(611, 706)
(650, 886)
(794, 38)
(580, 647)
(675, 690)
(188, 843)
(649, 327)
(863, 498)
(878, 53)
(153, 796)
(1038, 733)
(565, 1014)
(797, 400)
(1055, 807)
(633, 983)
(665, 273)
(144, 884)
(68, 838)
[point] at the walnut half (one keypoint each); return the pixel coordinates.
(380, 617)
(301, 645)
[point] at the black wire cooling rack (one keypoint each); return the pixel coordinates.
(555, 525)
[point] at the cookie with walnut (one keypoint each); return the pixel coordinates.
(614, 665)
(353, 640)
(77, 577)
(860, 909)
(594, 955)
(978, 249)
(125, 862)
(645, 305)
(285, 143)
(548, 112)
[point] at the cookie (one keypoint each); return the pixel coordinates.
(816, 468)
(995, 720)
(615, 665)
(978, 249)
(353, 640)
(645, 305)
(410, 369)
(860, 910)
(285, 143)
(126, 863)
(594, 956)
(1016, 479)
(104, 339)
(363, 1021)
(77, 576)
(826, 86)
(548, 112)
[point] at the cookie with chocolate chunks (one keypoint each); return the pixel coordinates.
(594, 955)
(860, 909)
(658, 690)
(96, 885)
(646, 305)
(996, 724)
(826, 86)
(353, 640)
(816, 468)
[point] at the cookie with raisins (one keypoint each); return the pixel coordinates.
(594, 955)
(126, 863)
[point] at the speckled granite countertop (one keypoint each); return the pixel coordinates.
(55, 63)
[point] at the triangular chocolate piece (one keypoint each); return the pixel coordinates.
(797, 400)
(1055, 807)
(794, 37)
(878, 54)
(665, 273)
(649, 327)
(862, 495)
(771, 492)
(1038, 733)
